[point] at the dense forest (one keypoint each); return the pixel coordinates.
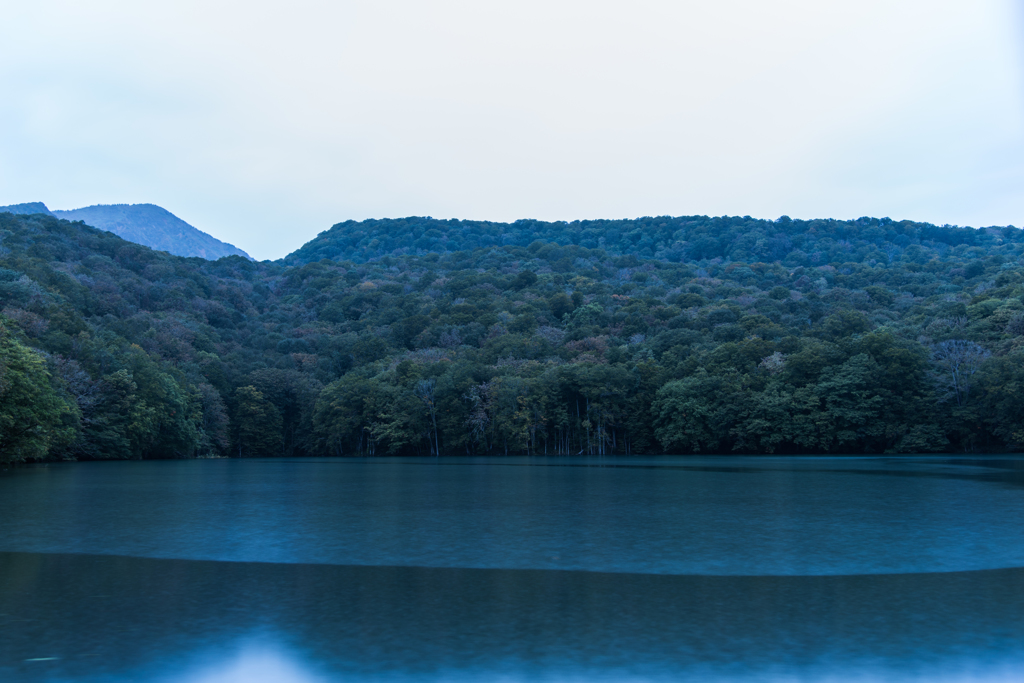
(421, 336)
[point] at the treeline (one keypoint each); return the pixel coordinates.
(664, 238)
(694, 334)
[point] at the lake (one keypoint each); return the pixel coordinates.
(514, 569)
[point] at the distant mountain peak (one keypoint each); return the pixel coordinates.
(28, 208)
(152, 226)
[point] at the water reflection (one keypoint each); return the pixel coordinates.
(255, 661)
(266, 663)
(540, 571)
(738, 516)
(132, 619)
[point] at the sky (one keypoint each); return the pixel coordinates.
(264, 123)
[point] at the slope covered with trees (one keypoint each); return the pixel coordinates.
(693, 334)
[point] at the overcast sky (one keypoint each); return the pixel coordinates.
(265, 123)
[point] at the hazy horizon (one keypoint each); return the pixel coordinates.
(266, 126)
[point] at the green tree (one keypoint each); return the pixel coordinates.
(696, 414)
(257, 424)
(123, 425)
(426, 392)
(395, 417)
(339, 421)
(37, 418)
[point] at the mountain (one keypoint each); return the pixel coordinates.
(738, 336)
(145, 224)
(26, 209)
(154, 227)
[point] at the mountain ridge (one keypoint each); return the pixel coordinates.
(673, 239)
(27, 209)
(146, 224)
(154, 227)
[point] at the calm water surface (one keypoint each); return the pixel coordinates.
(514, 569)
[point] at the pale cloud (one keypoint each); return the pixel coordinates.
(264, 123)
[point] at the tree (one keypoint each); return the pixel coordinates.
(394, 416)
(176, 408)
(524, 279)
(339, 421)
(215, 424)
(257, 424)
(478, 421)
(850, 408)
(958, 361)
(294, 394)
(560, 305)
(123, 424)
(37, 419)
(1002, 399)
(425, 392)
(696, 414)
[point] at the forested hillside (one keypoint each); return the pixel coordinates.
(414, 336)
(664, 238)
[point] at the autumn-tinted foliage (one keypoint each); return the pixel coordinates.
(416, 336)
